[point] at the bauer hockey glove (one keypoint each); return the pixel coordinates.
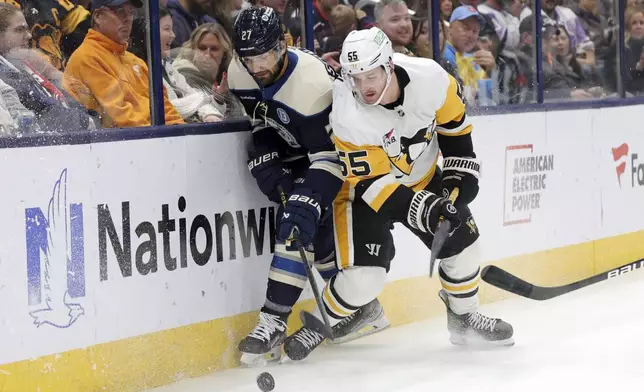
(269, 172)
(426, 209)
(462, 173)
(301, 214)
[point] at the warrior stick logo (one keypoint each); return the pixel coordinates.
(619, 153)
(55, 259)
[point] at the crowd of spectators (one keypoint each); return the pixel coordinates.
(82, 64)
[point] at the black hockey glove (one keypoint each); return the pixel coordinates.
(426, 209)
(302, 213)
(269, 172)
(462, 173)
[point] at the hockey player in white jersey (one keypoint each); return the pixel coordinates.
(391, 114)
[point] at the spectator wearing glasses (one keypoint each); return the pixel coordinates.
(36, 81)
(104, 76)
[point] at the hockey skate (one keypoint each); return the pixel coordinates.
(367, 320)
(475, 329)
(300, 344)
(264, 343)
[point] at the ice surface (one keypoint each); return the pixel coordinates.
(589, 340)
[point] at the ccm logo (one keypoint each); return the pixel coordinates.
(263, 159)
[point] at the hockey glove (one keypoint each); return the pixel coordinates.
(301, 214)
(269, 172)
(426, 209)
(462, 173)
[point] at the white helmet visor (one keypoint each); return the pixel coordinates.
(369, 87)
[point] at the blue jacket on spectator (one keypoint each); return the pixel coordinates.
(184, 23)
(54, 113)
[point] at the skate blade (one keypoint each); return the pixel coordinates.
(477, 342)
(369, 329)
(252, 360)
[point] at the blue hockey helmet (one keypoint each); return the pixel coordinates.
(257, 31)
(259, 43)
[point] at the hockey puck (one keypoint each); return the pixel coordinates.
(265, 382)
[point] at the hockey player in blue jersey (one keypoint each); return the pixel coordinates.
(287, 93)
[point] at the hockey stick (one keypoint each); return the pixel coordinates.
(506, 281)
(309, 320)
(442, 232)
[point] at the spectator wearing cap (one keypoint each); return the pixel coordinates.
(472, 63)
(394, 19)
(105, 77)
(187, 15)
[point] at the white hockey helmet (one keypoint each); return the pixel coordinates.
(363, 51)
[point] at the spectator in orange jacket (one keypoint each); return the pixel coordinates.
(103, 76)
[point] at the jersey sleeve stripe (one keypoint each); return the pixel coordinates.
(464, 130)
(456, 127)
(329, 167)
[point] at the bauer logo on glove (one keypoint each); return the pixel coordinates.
(301, 214)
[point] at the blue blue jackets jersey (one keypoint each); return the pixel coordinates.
(291, 117)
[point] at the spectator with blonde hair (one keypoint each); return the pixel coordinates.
(105, 77)
(343, 20)
(204, 58)
(193, 105)
(634, 50)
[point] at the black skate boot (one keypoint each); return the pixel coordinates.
(475, 329)
(264, 343)
(367, 320)
(299, 345)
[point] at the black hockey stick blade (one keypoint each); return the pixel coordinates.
(314, 323)
(437, 243)
(506, 281)
(442, 232)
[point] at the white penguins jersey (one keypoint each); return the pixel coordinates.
(390, 151)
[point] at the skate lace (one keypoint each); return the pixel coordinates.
(347, 319)
(478, 321)
(268, 323)
(309, 337)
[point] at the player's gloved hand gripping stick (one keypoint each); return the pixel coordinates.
(443, 230)
(309, 320)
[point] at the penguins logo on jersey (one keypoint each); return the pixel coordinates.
(403, 151)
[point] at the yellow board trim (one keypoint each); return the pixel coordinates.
(160, 358)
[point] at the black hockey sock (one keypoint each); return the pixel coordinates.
(280, 298)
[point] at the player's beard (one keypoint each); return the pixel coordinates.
(266, 77)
